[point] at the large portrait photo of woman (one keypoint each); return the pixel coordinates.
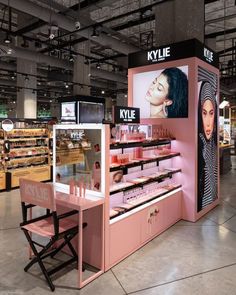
(162, 93)
(207, 139)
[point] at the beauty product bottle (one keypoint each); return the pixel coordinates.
(72, 187)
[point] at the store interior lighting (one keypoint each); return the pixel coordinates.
(95, 33)
(224, 104)
(7, 39)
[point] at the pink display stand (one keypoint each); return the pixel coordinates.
(184, 129)
(127, 232)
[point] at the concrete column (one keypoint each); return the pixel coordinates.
(122, 100)
(179, 20)
(81, 70)
(26, 99)
(55, 109)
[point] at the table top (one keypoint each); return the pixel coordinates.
(77, 203)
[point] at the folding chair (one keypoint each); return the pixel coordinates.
(50, 225)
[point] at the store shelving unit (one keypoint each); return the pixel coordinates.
(2, 171)
(26, 154)
(147, 198)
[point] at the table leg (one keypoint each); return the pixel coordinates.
(80, 250)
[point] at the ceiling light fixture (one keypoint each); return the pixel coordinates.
(7, 39)
(26, 78)
(71, 58)
(9, 51)
(224, 104)
(98, 66)
(95, 33)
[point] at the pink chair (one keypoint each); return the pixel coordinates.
(50, 225)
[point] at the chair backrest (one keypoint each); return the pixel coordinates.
(37, 193)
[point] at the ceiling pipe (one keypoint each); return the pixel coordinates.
(94, 72)
(54, 62)
(68, 24)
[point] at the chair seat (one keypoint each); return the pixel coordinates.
(45, 227)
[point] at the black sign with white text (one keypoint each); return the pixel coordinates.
(126, 115)
(175, 51)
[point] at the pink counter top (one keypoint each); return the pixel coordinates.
(77, 203)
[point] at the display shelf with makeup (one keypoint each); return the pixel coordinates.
(145, 189)
(137, 167)
(2, 170)
(26, 153)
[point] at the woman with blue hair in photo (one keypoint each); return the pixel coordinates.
(168, 95)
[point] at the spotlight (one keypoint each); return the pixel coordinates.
(7, 40)
(9, 51)
(98, 66)
(103, 92)
(66, 86)
(71, 58)
(95, 33)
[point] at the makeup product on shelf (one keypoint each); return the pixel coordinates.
(72, 187)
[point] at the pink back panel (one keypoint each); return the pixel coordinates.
(37, 193)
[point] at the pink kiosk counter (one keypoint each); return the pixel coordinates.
(158, 165)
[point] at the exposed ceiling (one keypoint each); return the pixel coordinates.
(122, 27)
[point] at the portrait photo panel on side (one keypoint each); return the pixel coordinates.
(207, 138)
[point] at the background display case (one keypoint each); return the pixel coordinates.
(2, 171)
(25, 153)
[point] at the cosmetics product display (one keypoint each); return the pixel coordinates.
(77, 188)
(138, 196)
(137, 174)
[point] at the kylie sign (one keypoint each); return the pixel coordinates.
(158, 54)
(208, 55)
(126, 115)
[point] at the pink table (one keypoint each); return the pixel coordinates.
(96, 206)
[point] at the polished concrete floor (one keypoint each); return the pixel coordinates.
(189, 258)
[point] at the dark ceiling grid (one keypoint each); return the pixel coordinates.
(107, 58)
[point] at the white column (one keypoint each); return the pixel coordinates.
(26, 99)
(81, 70)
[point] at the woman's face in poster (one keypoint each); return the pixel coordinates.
(158, 91)
(208, 116)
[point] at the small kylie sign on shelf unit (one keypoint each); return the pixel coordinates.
(126, 115)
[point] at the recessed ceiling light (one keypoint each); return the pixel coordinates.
(7, 40)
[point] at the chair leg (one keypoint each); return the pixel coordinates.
(67, 240)
(38, 259)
